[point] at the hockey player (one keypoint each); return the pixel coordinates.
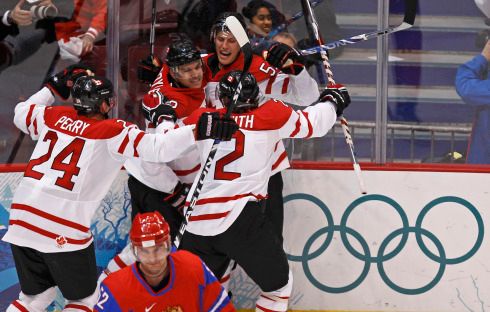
(158, 186)
(78, 155)
(161, 280)
(281, 76)
(227, 221)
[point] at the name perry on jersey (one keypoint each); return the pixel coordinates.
(75, 126)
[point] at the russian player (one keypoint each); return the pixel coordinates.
(281, 76)
(78, 154)
(163, 187)
(227, 221)
(161, 280)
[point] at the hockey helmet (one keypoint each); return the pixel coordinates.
(89, 92)
(220, 24)
(181, 53)
(249, 94)
(149, 229)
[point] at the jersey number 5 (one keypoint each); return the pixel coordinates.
(69, 169)
(219, 172)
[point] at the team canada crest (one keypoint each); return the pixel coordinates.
(60, 241)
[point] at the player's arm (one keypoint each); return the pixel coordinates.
(106, 301)
(215, 298)
(293, 83)
(29, 115)
(316, 120)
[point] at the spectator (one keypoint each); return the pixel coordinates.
(78, 155)
(9, 23)
(161, 280)
(286, 38)
(473, 86)
(263, 17)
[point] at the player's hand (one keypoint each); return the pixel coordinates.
(148, 69)
(287, 59)
(213, 126)
(87, 44)
(177, 198)
(338, 95)
(62, 82)
(19, 16)
(156, 108)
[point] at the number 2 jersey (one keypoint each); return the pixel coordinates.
(241, 167)
(72, 167)
(191, 288)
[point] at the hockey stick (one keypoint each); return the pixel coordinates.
(289, 21)
(241, 36)
(408, 21)
(152, 29)
(315, 34)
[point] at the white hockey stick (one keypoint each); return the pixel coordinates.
(408, 21)
(241, 36)
(315, 33)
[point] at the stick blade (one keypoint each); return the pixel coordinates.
(410, 11)
(237, 30)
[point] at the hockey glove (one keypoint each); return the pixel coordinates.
(61, 83)
(158, 110)
(213, 126)
(287, 59)
(148, 69)
(177, 198)
(338, 95)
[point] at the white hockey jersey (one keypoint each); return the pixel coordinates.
(74, 163)
(241, 167)
(301, 90)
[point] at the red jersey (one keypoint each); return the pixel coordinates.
(72, 167)
(191, 288)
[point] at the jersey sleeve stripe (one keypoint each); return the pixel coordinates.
(297, 127)
(78, 307)
(186, 172)
(268, 89)
(310, 127)
(50, 217)
(209, 216)
(225, 199)
(285, 85)
(260, 308)
(35, 127)
(137, 142)
(29, 116)
(18, 305)
(123, 145)
(279, 160)
(222, 301)
(49, 234)
(119, 262)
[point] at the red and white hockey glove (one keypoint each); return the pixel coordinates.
(156, 109)
(338, 95)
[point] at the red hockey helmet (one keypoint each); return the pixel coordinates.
(149, 229)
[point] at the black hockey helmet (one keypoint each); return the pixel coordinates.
(249, 94)
(89, 92)
(182, 52)
(220, 24)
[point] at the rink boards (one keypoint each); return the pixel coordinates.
(415, 242)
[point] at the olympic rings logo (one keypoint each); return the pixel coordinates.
(382, 256)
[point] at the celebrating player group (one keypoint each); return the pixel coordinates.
(204, 178)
